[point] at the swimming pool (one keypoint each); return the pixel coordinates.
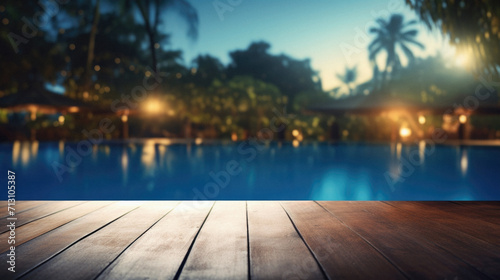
(162, 169)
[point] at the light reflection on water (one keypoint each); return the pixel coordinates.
(163, 170)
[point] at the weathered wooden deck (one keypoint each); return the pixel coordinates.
(254, 240)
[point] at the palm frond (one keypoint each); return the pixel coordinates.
(413, 41)
(189, 14)
(407, 52)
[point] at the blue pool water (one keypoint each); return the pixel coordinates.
(150, 169)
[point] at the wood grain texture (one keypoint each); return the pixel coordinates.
(39, 212)
(486, 231)
(482, 255)
(485, 211)
(404, 247)
(341, 252)
(159, 253)
(48, 223)
(21, 206)
(276, 249)
(220, 250)
(258, 240)
(94, 253)
(46, 246)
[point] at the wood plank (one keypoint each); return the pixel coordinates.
(159, 253)
(487, 211)
(87, 258)
(39, 250)
(48, 223)
(404, 248)
(38, 213)
(220, 250)
(481, 229)
(341, 252)
(22, 206)
(276, 249)
(480, 254)
(491, 205)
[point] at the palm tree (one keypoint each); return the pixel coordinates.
(150, 12)
(390, 35)
(349, 77)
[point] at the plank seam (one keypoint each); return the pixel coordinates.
(62, 225)
(73, 243)
(19, 212)
(409, 212)
(183, 263)
(248, 244)
(368, 242)
(131, 243)
(325, 275)
(49, 214)
(430, 241)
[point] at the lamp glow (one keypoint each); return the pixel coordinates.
(462, 118)
(405, 132)
(421, 120)
(153, 106)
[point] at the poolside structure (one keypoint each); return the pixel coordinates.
(458, 106)
(254, 240)
(39, 100)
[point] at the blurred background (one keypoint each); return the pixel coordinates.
(385, 70)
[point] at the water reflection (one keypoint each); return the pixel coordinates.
(16, 148)
(421, 151)
(24, 152)
(34, 149)
(464, 162)
(148, 157)
(124, 162)
(61, 149)
(153, 170)
(399, 147)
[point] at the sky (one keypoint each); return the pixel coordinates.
(332, 33)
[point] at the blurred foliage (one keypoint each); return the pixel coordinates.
(473, 26)
(431, 80)
(28, 54)
(216, 100)
(290, 75)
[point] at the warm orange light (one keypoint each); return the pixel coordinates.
(295, 143)
(462, 118)
(198, 141)
(153, 106)
(234, 136)
(61, 119)
(421, 120)
(73, 109)
(405, 132)
(124, 118)
(295, 133)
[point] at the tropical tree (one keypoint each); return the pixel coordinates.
(206, 69)
(150, 12)
(472, 26)
(389, 36)
(29, 54)
(290, 75)
(349, 78)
